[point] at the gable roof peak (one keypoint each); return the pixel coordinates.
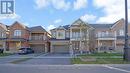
(16, 22)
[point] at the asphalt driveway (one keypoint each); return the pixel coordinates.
(50, 59)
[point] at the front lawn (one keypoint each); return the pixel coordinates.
(99, 58)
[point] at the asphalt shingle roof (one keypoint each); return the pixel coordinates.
(37, 28)
(101, 25)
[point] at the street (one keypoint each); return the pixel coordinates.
(16, 68)
(56, 63)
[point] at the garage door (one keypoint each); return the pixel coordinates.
(61, 49)
(38, 48)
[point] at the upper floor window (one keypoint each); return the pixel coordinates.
(2, 35)
(121, 32)
(60, 34)
(54, 34)
(17, 33)
(67, 34)
(75, 34)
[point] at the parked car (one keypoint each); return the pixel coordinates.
(25, 51)
(1, 50)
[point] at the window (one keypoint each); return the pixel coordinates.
(17, 33)
(60, 34)
(121, 32)
(67, 34)
(99, 34)
(2, 35)
(54, 34)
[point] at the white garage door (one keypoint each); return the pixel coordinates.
(61, 49)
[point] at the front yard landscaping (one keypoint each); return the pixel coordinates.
(99, 58)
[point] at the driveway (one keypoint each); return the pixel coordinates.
(50, 59)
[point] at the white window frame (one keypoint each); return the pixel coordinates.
(121, 32)
(17, 32)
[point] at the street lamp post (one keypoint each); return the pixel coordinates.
(126, 45)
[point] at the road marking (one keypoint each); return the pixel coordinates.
(119, 69)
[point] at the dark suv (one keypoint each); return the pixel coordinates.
(25, 51)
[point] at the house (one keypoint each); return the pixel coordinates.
(110, 37)
(74, 38)
(18, 36)
(39, 39)
(3, 36)
(60, 40)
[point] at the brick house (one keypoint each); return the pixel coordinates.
(110, 37)
(18, 35)
(3, 36)
(39, 39)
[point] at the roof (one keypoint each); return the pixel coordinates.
(101, 25)
(65, 27)
(37, 28)
(3, 26)
(21, 24)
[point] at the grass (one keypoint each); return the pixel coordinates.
(5, 54)
(101, 58)
(20, 60)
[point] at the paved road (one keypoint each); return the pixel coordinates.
(50, 59)
(20, 68)
(8, 59)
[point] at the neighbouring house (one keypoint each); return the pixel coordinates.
(110, 37)
(80, 37)
(3, 36)
(60, 40)
(39, 39)
(74, 38)
(18, 36)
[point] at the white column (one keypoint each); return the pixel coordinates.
(81, 49)
(115, 39)
(98, 46)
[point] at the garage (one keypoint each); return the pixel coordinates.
(61, 49)
(38, 48)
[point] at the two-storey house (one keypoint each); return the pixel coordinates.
(20, 36)
(74, 38)
(39, 39)
(3, 36)
(110, 37)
